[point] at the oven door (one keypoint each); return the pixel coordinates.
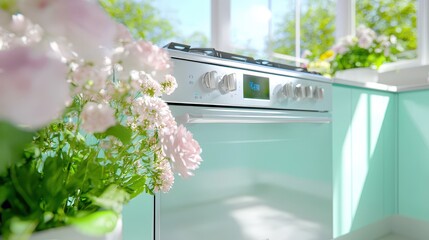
(265, 174)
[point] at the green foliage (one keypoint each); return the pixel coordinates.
(141, 18)
(12, 141)
(122, 133)
(8, 5)
(317, 29)
(144, 22)
(64, 177)
(387, 17)
(96, 223)
(358, 57)
(390, 17)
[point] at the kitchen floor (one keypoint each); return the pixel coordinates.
(258, 214)
(394, 237)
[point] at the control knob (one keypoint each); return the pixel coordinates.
(287, 90)
(228, 83)
(298, 92)
(309, 91)
(209, 80)
(319, 93)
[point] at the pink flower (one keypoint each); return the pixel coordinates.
(123, 35)
(33, 87)
(89, 80)
(167, 177)
(153, 113)
(89, 29)
(97, 117)
(183, 151)
(144, 56)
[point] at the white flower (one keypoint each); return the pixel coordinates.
(169, 84)
(16, 30)
(152, 113)
(145, 83)
(97, 117)
(89, 80)
(183, 151)
(167, 177)
(348, 41)
(339, 49)
(386, 52)
(365, 31)
(393, 39)
(83, 23)
(365, 41)
(33, 87)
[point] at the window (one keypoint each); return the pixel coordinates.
(250, 27)
(391, 17)
(282, 29)
(189, 20)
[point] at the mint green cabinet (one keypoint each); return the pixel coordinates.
(413, 120)
(137, 217)
(364, 157)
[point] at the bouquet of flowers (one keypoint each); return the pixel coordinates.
(364, 49)
(82, 126)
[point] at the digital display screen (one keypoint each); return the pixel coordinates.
(256, 87)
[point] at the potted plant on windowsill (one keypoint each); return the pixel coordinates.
(357, 57)
(82, 126)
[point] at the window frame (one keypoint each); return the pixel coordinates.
(345, 24)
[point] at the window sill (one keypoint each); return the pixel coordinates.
(405, 76)
(395, 80)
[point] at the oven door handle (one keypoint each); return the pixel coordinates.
(237, 116)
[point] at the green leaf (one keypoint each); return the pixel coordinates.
(4, 193)
(112, 198)
(136, 185)
(120, 132)
(52, 183)
(97, 223)
(13, 140)
(8, 6)
(21, 229)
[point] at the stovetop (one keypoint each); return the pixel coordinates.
(210, 77)
(235, 57)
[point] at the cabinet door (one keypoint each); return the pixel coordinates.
(364, 146)
(137, 218)
(414, 154)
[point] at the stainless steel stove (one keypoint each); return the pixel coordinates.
(208, 77)
(266, 140)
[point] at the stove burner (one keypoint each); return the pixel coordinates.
(235, 57)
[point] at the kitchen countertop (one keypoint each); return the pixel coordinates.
(394, 80)
(383, 86)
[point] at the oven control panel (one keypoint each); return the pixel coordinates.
(214, 84)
